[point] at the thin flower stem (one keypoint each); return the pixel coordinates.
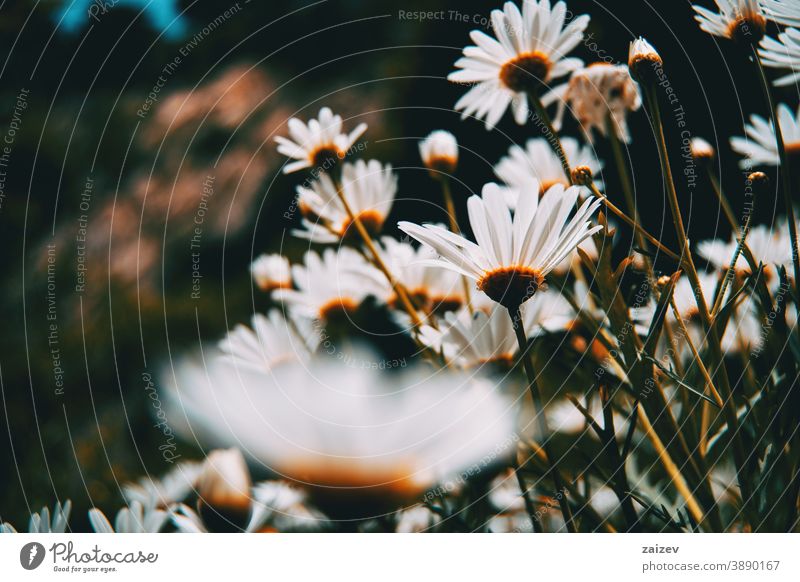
(455, 229)
(709, 325)
(398, 288)
(783, 170)
(552, 137)
(523, 487)
(671, 467)
(731, 270)
(538, 412)
(632, 223)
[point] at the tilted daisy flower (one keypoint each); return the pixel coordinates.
(271, 272)
(528, 53)
(538, 162)
(760, 147)
(767, 245)
(432, 289)
(513, 255)
(786, 12)
(473, 340)
(439, 152)
(332, 285)
(597, 92)
(133, 519)
(360, 441)
(368, 187)
(319, 144)
(273, 340)
(739, 20)
(783, 53)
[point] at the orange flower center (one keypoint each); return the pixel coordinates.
(372, 221)
(441, 166)
(326, 156)
(526, 72)
(511, 286)
(338, 309)
(793, 153)
(748, 28)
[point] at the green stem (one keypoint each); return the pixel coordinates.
(552, 138)
(455, 229)
(538, 412)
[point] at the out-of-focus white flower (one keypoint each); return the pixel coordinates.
(473, 340)
(344, 431)
(439, 152)
(133, 519)
(513, 255)
(272, 341)
(786, 12)
(41, 522)
(171, 488)
(738, 20)
(368, 187)
(783, 53)
(767, 245)
(224, 484)
(279, 506)
(319, 144)
(701, 149)
(417, 519)
(433, 289)
(597, 92)
(271, 272)
(760, 147)
(529, 52)
(332, 285)
(508, 503)
(538, 163)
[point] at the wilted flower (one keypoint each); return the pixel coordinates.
(368, 187)
(529, 52)
(537, 162)
(738, 20)
(763, 149)
(320, 144)
(513, 255)
(597, 92)
(439, 152)
(271, 272)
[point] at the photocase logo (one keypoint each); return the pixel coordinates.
(31, 555)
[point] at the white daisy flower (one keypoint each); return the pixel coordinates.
(439, 152)
(786, 12)
(431, 288)
(473, 340)
(332, 285)
(417, 519)
(368, 187)
(133, 519)
(513, 255)
(358, 439)
(594, 93)
(768, 247)
(319, 144)
(271, 272)
(537, 162)
(738, 20)
(171, 488)
(760, 146)
(529, 52)
(223, 490)
(783, 53)
(41, 522)
(272, 341)
(279, 506)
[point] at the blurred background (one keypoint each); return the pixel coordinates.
(125, 123)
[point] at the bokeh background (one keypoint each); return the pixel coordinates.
(86, 158)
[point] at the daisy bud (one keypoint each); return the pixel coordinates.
(582, 176)
(271, 272)
(663, 281)
(224, 491)
(758, 182)
(702, 151)
(643, 60)
(439, 153)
